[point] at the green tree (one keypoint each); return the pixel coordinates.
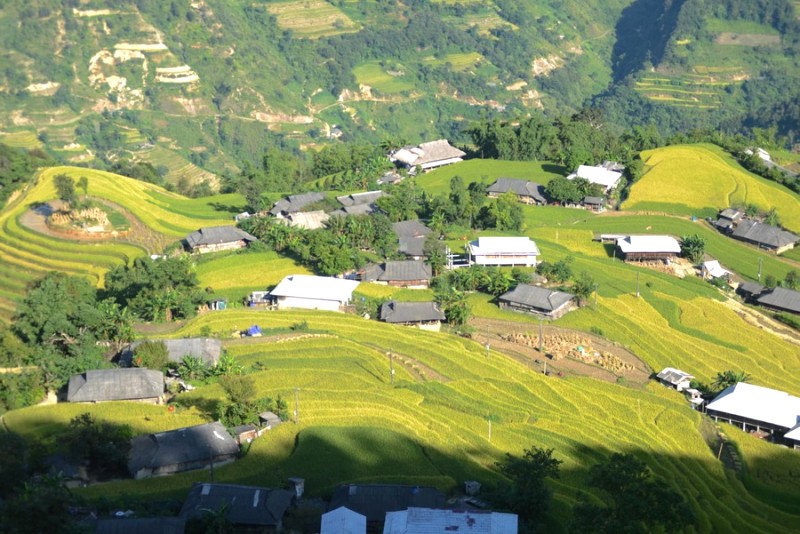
(729, 378)
(792, 279)
(503, 213)
(83, 184)
(192, 368)
(40, 506)
(436, 252)
(693, 247)
(65, 188)
(563, 190)
(772, 217)
(528, 494)
(583, 287)
(103, 446)
(151, 354)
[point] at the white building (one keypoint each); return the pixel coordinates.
(343, 521)
(675, 378)
(758, 408)
(313, 292)
(648, 247)
(431, 521)
(503, 251)
(608, 175)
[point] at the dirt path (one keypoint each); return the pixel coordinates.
(138, 234)
(760, 320)
(500, 331)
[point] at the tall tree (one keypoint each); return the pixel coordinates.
(528, 494)
(65, 188)
(693, 247)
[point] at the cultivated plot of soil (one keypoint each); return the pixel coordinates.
(599, 358)
(747, 39)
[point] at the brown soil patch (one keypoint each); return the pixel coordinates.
(747, 39)
(520, 341)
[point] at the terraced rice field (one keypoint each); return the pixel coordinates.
(684, 90)
(311, 19)
(26, 255)
(431, 427)
(458, 62)
(26, 140)
(373, 75)
(701, 179)
(178, 167)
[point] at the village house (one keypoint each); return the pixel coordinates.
(313, 292)
(713, 270)
(594, 204)
(423, 315)
(780, 299)
(749, 290)
(540, 301)
(102, 385)
(427, 520)
(358, 203)
(607, 175)
(249, 508)
(206, 349)
(648, 248)
(295, 203)
(527, 192)
(183, 449)
(308, 220)
(500, 251)
(427, 156)
(374, 501)
(408, 273)
(343, 521)
(675, 378)
(765, 236)
(758, 408)
(217, 238)
(390, 177)
(728, 219)
(411, 238)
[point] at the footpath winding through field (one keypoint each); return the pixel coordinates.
(763, 321)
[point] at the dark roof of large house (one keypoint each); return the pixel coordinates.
(411, 312)
(537, 297)
(215, 235)
(246, 505)
(294, 203)
(374, 500)
(594, 201)
(359, 198)
(750, 288)
(780, 297)
(183, 445)
(137, 525)
(764, 234)
(730, 214)
(399, 271)
(206, 348)
(355, 209)
(521, 188)
(412, 228)
(115, 384)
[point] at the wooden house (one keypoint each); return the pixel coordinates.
(423, 315)
(540, 301)
(648, 248)
(527, 192)
(313, 292)
(102, 385)
(217, 238)
(408, 273)
(249, 508)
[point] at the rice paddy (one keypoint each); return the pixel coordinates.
(311, 19)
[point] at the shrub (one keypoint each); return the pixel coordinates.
(151, 354)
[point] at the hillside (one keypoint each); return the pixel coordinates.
(701, 180)
(197, 89)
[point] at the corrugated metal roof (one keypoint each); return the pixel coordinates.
(315, 287)
(433, 521)
(764, 234)
(115, 384)
(343, 521)
(503, 245)
(673, 376)
(403, 271)
(598, 175)
(375, 500)
(649, 244)
(759, 404)
(780, 297)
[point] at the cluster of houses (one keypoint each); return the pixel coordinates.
(734, 223)
(353, 509)
(764, 412)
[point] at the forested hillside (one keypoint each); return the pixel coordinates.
(195, 89)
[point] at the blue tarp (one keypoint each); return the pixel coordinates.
(254, 330)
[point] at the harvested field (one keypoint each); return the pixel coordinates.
(311, 18)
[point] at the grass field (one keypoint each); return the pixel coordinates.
(375, 76)
(702, 179)
(431, 427)
(311, 18)
(438, 181)
(458, 62)
(26, 255)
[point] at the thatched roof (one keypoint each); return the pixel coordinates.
(115, 384)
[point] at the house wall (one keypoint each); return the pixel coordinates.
(527, 260)
(410, 284)
(285, 303)
(647, 256)
(185, 466)
(749, 424)
(555, 314)
(430, 326)
(203, 249)
(440, 163)
(148, 400)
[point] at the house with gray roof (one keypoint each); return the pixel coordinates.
(423, 315)
(295, 203)
(217, 238)
(137, 525)
(539, 301)
(527, 192)
(183, 449)
(781, 299)
(375, 500)
(411, 237)
(405, 273)
(674, 378)
(102, 385)
(595, 204)
(354, 199)
(428, 155)
(206, 349)
(765, 236)
(247, 507)
(749, 290)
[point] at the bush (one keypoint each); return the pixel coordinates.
(151, 354)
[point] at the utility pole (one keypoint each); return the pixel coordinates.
(296, 405)
(391, 366)
(490, 428)
(760, 263)
(488, 346)
(541, 337)
(637, 285)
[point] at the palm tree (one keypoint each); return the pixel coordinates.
(729, 378)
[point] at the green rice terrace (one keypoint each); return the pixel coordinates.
(432, 426)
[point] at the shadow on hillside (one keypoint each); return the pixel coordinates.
(228, 208)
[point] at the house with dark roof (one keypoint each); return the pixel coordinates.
(295, 203)
(217, 238)
(206, 349)
(406, 273)
(309, 220)
(375, 500)
(727, 219)
(765, 236)
(423, 315)
(749, 290)
(358, 203)
(137, 525)
(247, 507)
(390, 177)
(527, 192)
(428, 156)
(183, 449)
(411, 237)
(102, 385)
(539, 301)
(780, 299)
(595, 204)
